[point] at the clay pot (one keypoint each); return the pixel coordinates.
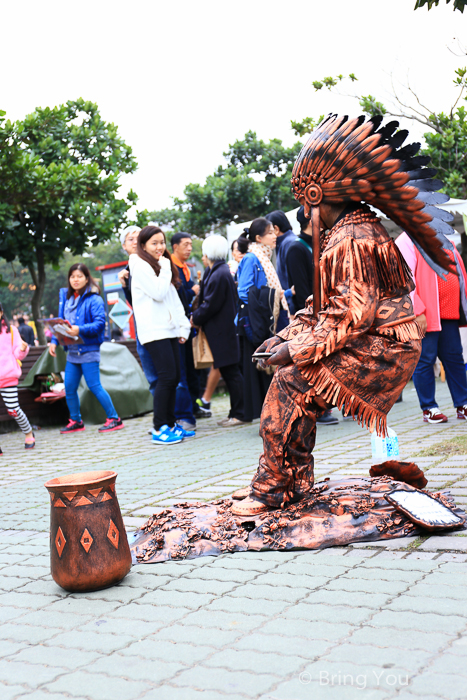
(88, 543)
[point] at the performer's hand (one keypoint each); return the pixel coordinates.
(74, 331)
(421, 320)
(281, 356)
(270, 344)
(52, 350)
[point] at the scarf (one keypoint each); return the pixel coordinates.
(182, 266)
(264, 255)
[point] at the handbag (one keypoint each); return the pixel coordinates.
(202, 355)
(20, 364)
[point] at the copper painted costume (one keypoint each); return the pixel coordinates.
(358, 355)
(359, 347)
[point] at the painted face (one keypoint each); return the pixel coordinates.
(78, 280)
(269, 238)
(155, 246)
(131, 242)
(183, 249)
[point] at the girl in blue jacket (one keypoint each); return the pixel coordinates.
(82, 306)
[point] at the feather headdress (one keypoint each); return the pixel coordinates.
(356, 160)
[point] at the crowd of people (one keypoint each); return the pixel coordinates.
(238, 305)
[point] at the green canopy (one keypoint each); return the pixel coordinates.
(120, 373)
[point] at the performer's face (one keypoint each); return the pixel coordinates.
(269, 237)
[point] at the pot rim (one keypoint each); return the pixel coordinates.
(80, 479)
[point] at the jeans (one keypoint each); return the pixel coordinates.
(234, 381)
(445, 344)
(90, 370)
(183, 399)
(165, 356)
(147, 364)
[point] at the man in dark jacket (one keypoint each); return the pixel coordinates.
(216, 315)
(300, 276)
(285, 239)
(25, 331)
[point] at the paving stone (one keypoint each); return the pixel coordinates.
(270, 663)
(224, 620)
(28, 674)
(56, 656)
(98, 686)
(190, 635)
(379, 658)
(225, 681)
(258, 592)
(139, 669)
(168, 650)
(26, 633)
(428, 622)
(405, 639)
(442, 685)
(9, 692)
(309, 630)
(246, 606)
(149, 613)
(435, 544)
(355, 599)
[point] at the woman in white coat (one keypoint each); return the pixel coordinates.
(162, 324)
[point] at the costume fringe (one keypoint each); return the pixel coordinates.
(333, 392)
(363, 257)
(404, 332)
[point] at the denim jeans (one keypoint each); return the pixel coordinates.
(445, 344)
(183, 400)
(90, 370)
(148, 366)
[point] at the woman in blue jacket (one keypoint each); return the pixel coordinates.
(256, 270)
(82, 306)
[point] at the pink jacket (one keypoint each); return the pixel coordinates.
(425, 298)
(10, 353)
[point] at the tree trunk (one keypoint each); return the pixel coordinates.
(38, 278)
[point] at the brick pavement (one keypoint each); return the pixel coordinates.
(380, 620)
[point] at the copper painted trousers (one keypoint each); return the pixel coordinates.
(288, 428)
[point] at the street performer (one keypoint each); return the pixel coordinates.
(357, 343)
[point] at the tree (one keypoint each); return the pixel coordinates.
(446, 140)
(254, 180)
(458, 4)
(59, 172)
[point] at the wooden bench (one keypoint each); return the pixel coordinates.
(39, 413)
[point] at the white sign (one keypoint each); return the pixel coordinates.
(112, 297)
(121, 314)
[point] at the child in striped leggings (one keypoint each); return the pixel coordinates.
(12, 350)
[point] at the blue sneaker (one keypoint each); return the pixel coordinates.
(165, 436)
(181, 432)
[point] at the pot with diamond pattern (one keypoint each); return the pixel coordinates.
(88, 543)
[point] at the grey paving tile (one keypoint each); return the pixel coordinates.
(99, 686)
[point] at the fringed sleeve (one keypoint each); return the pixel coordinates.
(350, 295)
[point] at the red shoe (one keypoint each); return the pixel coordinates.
(74, 426)
(434, 415)
(462, 412)
(111, 424)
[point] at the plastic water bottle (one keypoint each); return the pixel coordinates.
(383, 448)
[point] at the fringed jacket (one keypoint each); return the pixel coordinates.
(361, 351)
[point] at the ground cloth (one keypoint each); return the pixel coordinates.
(334, 513)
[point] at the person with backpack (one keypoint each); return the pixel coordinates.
(12, 351)
(82, 306)
(262, 312)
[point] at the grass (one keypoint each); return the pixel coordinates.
(446, 448)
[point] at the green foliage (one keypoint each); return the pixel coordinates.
(59, 173)
(254, 180)
(16, 296)
(371, 106)
(447, 148)
(458, 4)
(306, 126)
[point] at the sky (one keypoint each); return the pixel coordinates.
(183, 79)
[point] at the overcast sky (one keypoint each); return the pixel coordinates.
(183, 79)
